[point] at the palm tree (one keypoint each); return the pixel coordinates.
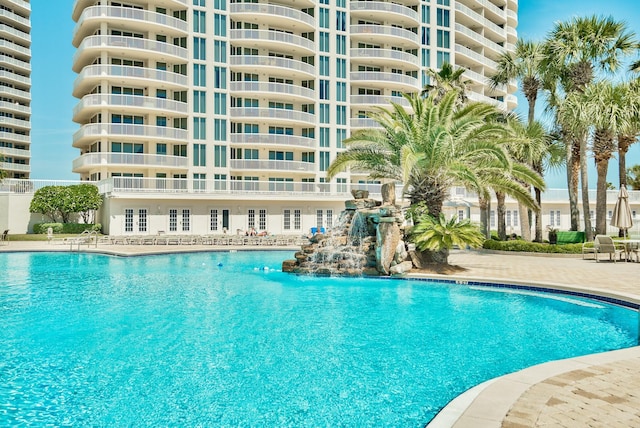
(633, 177)
(525, 64)
(438, 146)
(446, 80)
(574, 50)
(629, 134)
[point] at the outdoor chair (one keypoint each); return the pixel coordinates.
(4, 238)
(588, 248)
(604, 244)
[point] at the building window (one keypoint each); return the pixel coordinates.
(251, 219)
(199, 128)
(219, 4)
(199, 101)
(324, 113)
(199, 48)
(443, 2)
(319, 223)
(199, 182)
(492, 218)
(341, 115)
(441, 58)
(220, 25)
(324, 89)
(219, 103)
(341, 21)
(220, 129)
(341, 44)
(220, 156)
(286, 219)
(426, 14)
(341, 91)
(443, 39)
(442, 17)
(186, 220)
(324, 41)
(329, 219)
(341, 68)
(199, 75)
(324, 161)
(341, 135)
(199, 21)
(324, 65)
(219, 51)
(515, 218)
(324, 137)
(220, 77)
(199, 155)
(323, 19)
(213, 220)
(262, 219)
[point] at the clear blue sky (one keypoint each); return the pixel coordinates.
(52, 77)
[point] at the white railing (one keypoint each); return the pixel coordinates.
(479, 38)
(479, 19)
(15, 32)
(130, 131)
(384, 7)
(15, 152)
(272, 9)
(113, 12)
(132, 159)
(273, 139)
(6, 45)
(108, 71)
(15, 107)
(121, 42)
(15, 185)
(383, 30)
(15, 17)
(272, 113)
(272, 87)
(271, 61)
(23, 65)
(384, 54)
(476, 56)
(15, 137)
(118, 100)
(273, 36)
(8, 166)
(379, 76)
(273, 165)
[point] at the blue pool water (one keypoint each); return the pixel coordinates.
(211, 339)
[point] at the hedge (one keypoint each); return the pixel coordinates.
(41, 228)
(532, 247)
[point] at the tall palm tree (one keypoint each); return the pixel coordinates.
(446, 80)
(436, 147)
(524, 64)
(629, 134)
(574, 50)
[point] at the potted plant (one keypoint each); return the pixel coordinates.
(553, 235)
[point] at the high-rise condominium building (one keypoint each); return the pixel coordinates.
(203, 115)
(15, 88)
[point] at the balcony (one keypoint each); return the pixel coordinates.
(18, 167)
(15, 64)
(127, 18)
(17, 138)
(385, 12)
(273, 140)
(384, 35)
(464, 34)
(130, 132)
(474, 96)
(273, 15)
(274, 91)
(15, 108)
(272, 65)
(493, 12)
(378, 101)
(127, 47)
(385, 57)
(89, 161)
(14, 153)
(271, 165)
(80, 5)
(16, 94)
(17, 21)
(474, 57)
(274, 40)
(15, 34)
(91, 76)
(91, 104)
(360, 122)
(14, 49)
(469, 18)
(8, 76)
(273, 115)
(380, 79)
(16, 123)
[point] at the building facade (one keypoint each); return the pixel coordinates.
(15, 88)
(198, 116)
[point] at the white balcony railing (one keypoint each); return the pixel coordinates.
(273, 36)
(89, 160)
(258, 9)
(132, 101)
(273, 139)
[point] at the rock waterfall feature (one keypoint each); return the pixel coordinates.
(367, 239)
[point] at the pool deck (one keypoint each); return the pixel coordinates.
(600, 390)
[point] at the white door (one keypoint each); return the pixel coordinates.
(135, 221)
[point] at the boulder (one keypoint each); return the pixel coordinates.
(359, 194)
(401, 268)
(387, 239)
(388, 191)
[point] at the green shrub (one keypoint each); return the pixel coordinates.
(69, 228)
(532, 247)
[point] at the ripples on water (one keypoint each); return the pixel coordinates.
(179, 340)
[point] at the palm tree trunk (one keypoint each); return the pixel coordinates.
(624, 141)
(538, 236)
(584, 180)
(601, 197)
(573, 170)
(484, 203)
(501, 210)
(525, 224)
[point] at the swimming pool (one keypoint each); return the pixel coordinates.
(214, 339)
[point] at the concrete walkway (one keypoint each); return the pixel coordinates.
(601, 390)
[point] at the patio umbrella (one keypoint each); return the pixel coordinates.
(621, 217)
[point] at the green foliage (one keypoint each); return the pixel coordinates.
(65, 228)
(417, 210)
(531, 247)
(59, 202)
(437, 234)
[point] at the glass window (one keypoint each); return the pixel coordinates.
(199, 128)
(220, 25)
(199, 48)
(199, 102)
(199, 155)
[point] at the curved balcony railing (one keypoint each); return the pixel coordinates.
(271, 37)
(14, 17)
(398, 12)
(80, 5)
(93, 160)
(109, 71)
(378, 100)
(128, 131)
(279, 13)
(130, 43)
(480, 38)
(389, 78)
(15, 63)
(385, 32)
(272, 165)
(492, 8)
(20, 153)
(291, 65)
(479, 58)
(475, 16)
(364, 123)
(18, 78)
(385, 54)
(273, 88)
(14, 48)
(14, 33)
(163, 23)
(273, 140)
(10, 136)
(272, 113)
(16, 123)
(19, 108)
(14, 93)
(10, 166)
(93, 101)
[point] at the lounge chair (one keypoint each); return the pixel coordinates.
(604, 244)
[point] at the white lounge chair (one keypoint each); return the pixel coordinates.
(604, 244)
